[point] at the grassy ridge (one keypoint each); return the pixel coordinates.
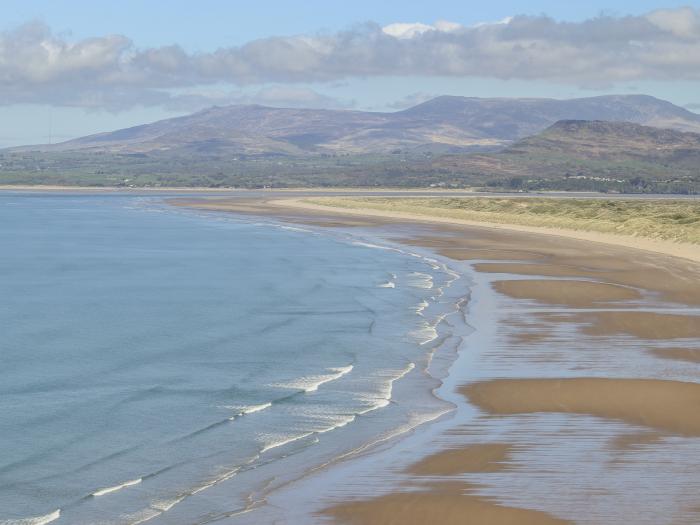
(674, 220)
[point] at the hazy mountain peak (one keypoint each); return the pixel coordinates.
(446, 122)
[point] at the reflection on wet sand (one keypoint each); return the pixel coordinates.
(586, 415)
(580, 390)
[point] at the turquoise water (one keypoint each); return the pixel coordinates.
(165, 365)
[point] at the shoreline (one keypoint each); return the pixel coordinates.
(475, 191)
(52, 188)
(375, 391)
(684, 250)
(546, 340)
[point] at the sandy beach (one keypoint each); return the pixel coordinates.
(585, 392)
(685, 250)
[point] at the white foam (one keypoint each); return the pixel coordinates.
(420, 280)
(294, 229)
(425, 334)
(378, 403)
(311, 383)
(370, 245)
(415, 421)
(409, 367)
(390, 283)
(213, 482)
(256, 408)
(243, 411)
(115, 488)
(284, 441)
(340, 422)
(143, 516)
(38, 520)
(166, 505)
(383, 397)
(421, 306)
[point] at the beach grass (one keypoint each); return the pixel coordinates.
(664, 219)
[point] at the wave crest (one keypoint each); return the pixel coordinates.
(312, 382)
(115, 488)
(38, 520)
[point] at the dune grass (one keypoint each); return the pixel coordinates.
(672, 220)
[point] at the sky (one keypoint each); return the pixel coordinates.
(77, 67)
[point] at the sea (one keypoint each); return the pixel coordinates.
(166, 365)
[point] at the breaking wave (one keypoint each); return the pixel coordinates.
(312, 382)
(115, 488)
(39, 520)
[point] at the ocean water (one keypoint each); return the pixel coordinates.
(164, 365)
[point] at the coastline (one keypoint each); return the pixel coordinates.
(51, 188)
(685, 250)
(327, 321)
(620, 316)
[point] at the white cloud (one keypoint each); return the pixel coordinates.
(682, 22)
(411, 30)
(504, 21)
(402, 30)
(38, 66)
(445, 26)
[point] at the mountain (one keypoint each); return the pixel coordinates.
(513, 119)
(444, 124)
(568, 155)
(601, 151)
(604, 140)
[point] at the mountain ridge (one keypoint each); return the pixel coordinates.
(568, 155)
(443, 124)
(584, 150)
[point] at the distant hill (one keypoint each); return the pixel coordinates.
(598, 151)
(513, 119)
(610, 143)
(614, 141)
(442, 125)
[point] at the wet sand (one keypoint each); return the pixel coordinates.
(669, 406)
(583, 413)
(489, 457)
(449, 504)
(670, 278)
(447, 501)
(564, 292)
(644, 325)
(636, 440)
(691, 355)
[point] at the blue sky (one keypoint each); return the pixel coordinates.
(207, 24)
(199, 28)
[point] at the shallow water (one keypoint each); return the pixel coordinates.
(570, 465)
(171, 366)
